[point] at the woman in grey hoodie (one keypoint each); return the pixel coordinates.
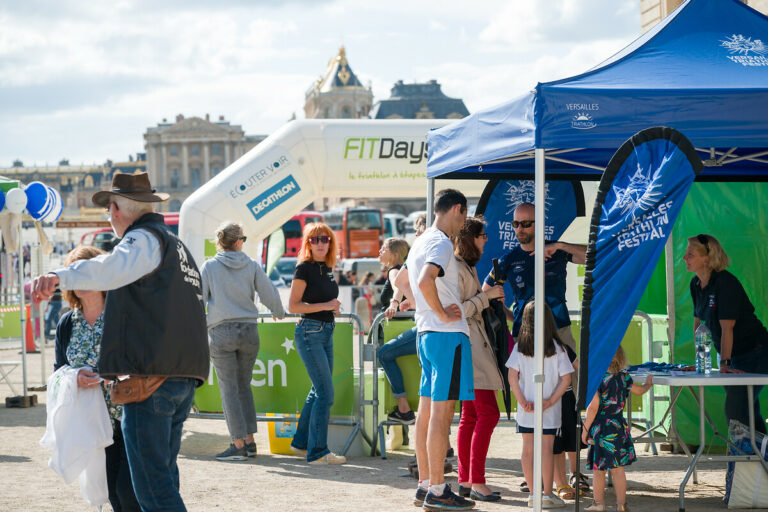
(232, 283)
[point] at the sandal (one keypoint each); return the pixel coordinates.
(583, 482)
(566, 492)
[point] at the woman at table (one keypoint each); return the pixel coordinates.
(314, 295)
(78, 344)
(741, 340)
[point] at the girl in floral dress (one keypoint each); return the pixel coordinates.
(611, 448)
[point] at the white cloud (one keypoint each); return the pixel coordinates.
(89, 78)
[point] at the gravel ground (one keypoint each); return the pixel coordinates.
(280, 482)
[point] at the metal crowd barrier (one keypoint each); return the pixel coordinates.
(370, 355)
(357, 422)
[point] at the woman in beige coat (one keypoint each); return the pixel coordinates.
(479, 416)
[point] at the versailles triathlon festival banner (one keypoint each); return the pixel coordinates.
(564, 202)
(638, 200)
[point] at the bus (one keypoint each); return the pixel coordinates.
(359, 231)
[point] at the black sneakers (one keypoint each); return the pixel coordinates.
(233, 453)
(404, 418)
(250, 448)
(421, 494)
(447, 501)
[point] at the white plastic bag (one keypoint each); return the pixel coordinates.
(77, 430)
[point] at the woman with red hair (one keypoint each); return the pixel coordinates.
(314, 295)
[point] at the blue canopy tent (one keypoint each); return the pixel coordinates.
(703, 71)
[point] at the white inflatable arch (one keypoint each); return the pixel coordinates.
(304, 161)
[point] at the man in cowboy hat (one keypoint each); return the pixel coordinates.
(154, 325)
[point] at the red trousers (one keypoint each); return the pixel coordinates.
(478, 419)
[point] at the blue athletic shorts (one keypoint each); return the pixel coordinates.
(446, 366)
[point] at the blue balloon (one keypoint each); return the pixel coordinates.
(37, 199)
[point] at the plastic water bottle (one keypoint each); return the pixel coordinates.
(703, 338)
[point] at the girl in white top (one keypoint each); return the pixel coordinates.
(557, 372)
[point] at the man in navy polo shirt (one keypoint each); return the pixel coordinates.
(517, 267)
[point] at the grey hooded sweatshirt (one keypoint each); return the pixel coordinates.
(232, 284)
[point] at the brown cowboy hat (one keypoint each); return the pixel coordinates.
(133, 186)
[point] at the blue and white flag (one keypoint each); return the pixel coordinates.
(640, 195)
(563, 203)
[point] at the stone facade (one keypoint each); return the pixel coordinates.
(653, 11)
(75, 183)
(419, 101)
(184, 155)
(338, 93)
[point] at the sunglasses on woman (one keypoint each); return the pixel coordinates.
(322, 239)
(522, 223)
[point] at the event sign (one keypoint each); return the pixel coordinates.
(564, 202)
(280, 382)
(639, 197)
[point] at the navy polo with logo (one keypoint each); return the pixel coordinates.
(517, 268)
(724, 298)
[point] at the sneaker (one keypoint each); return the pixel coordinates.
(524, 487)
(551, 501)
(450, 453)
(421, 495)
(250, 448)
(405, 418)
(233, 453)
(299, 451)
(447, 501)
(330, 458)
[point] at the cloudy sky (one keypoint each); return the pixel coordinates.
(83, 80)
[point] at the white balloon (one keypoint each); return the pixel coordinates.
(15, 200)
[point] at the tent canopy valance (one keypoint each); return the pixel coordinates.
(703, 71)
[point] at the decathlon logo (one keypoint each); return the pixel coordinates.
(274, 196)
(745, 50)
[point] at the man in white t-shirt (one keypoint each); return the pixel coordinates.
(430, 282)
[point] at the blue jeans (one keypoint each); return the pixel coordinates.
(52, 316)
(403, 345)
(314, 343)
(152, 434)
(736, 403)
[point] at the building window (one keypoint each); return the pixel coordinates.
(216, 148)
(173, 150)
(174, 178)
(346, 113)
(215, 171)
(194, 149)
(327, 113)
(194, 177)
(88, 181)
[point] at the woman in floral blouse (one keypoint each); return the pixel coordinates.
(78, 343)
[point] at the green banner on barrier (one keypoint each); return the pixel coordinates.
(10, 322)
(280, 382)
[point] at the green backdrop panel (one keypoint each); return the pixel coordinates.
(280, 382)
(737, 215)
(10, 322)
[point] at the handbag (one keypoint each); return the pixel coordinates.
(134, 389)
